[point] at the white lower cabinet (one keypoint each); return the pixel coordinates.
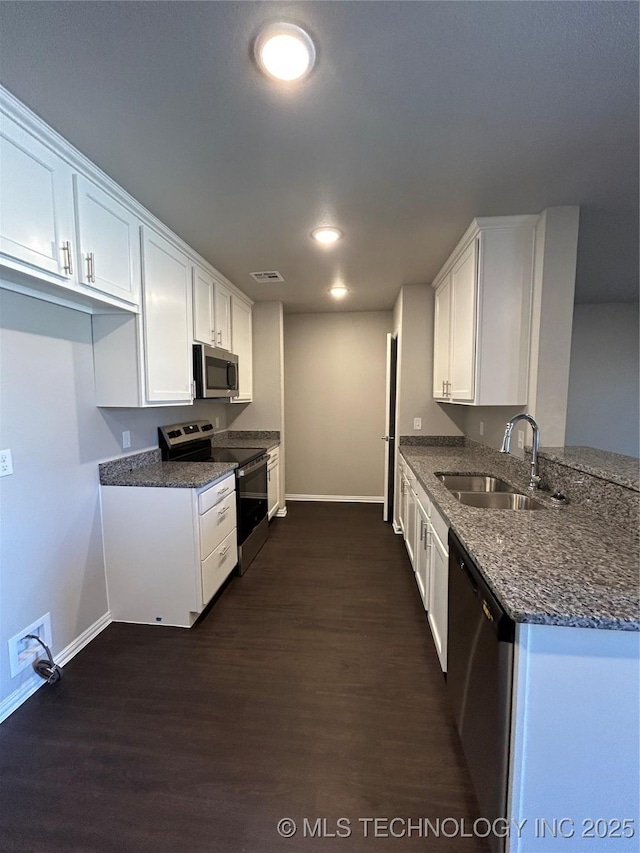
(438, 594)
(421, 552)
(426, 536)
(273, 482)
(167, 550)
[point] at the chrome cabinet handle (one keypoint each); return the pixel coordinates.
(223, 510)
(67, 265)
(223, 491)
(91, 269)
(220, 338)
(224, 551)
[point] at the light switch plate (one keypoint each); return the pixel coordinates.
(481, 427)
(521, 439)
(417, 423)
(126, 439)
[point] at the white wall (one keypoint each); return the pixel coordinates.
(335, 402)
(413, 315)
(51, 542)
(604, 398)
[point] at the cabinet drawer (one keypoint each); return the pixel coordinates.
(218, 565)
(440, 527)
(216, 493)
(216, 524)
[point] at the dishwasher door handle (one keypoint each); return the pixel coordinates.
(469, 576)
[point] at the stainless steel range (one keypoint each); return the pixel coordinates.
(191, 442)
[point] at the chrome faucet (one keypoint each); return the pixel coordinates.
(534, 479)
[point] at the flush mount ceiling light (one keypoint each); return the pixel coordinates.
(338, 291)
(326, 235)
(284, 52)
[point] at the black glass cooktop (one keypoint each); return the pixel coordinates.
(241, 455)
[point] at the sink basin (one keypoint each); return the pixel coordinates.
(497, 500)
(474, 483)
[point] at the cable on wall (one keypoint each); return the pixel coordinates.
(46, 669)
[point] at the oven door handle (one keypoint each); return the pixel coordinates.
(262, 461)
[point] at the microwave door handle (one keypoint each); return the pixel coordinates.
(231, 376)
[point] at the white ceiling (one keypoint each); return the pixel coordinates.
(418, 117)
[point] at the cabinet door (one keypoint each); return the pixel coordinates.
(463, 325)
(442, 340)
(36, 214)
(420, 565)
(167, 326)
(438, 597)
(242, 346)
(222, 316)
(108, 239)
(410, 522)
(203, 325)
(273, 487)
(402, 518)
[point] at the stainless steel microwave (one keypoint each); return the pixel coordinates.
(215, 372)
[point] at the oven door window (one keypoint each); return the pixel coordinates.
(217, 374)
(252, 500)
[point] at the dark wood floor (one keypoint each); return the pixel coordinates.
(311, 689)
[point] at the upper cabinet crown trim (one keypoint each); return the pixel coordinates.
(37, 127)
(479, 224)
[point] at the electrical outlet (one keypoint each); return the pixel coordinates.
(481, 427)
(521, 439)
(217, 423)
(417, 423)
(6, 463)
(126, 439)
(23, 653)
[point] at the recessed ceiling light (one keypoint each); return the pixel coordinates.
(326, 235)
(338, 291)
(285, 52)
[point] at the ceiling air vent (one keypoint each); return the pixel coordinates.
(266, 277)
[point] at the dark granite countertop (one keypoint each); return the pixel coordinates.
(246, 438)
(614, 467)
(147, 469)
(557, 566)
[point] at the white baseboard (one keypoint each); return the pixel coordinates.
(281, 513)
(29, 687)
(360, 499)
(396, 528)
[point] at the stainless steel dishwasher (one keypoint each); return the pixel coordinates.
(479, 681)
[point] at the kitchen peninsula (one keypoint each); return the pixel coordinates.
(568, 577)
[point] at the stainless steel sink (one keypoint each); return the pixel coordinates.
(496, 500)
(474, 483)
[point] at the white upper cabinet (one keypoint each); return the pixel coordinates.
(36, 214)
(204, 331)
(463, 326)
(442, 340)
(166, 319)
(242, 346)
(222, 315)
(108, 243)
(483, 314)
